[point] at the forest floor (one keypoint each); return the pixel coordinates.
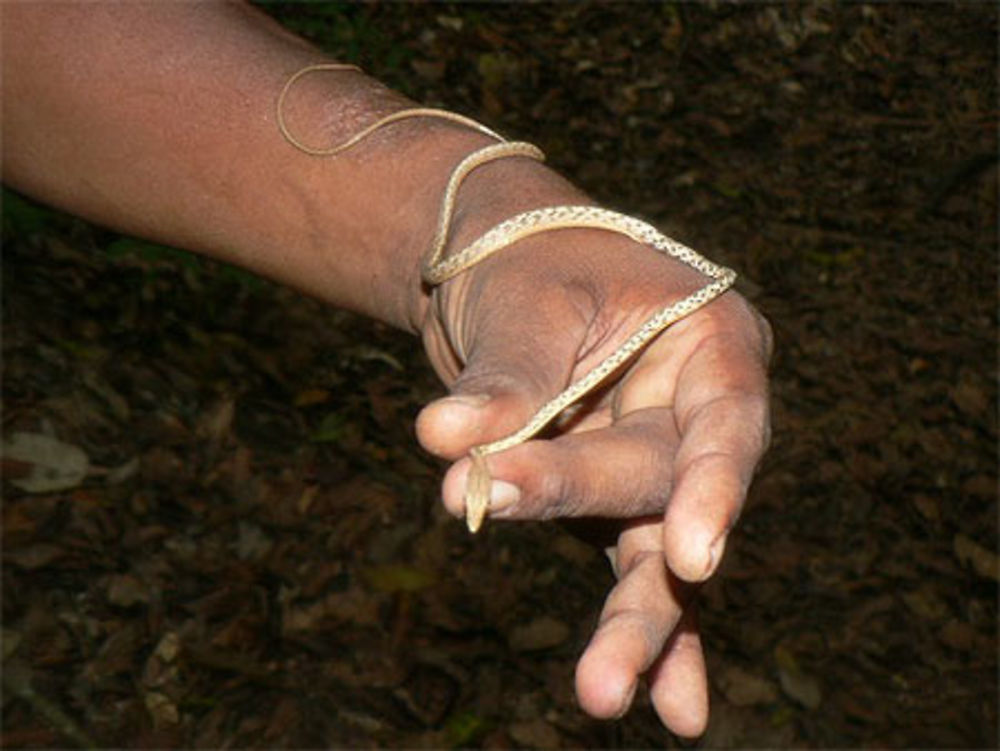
(254, 554)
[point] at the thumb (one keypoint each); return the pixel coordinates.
(511, 372)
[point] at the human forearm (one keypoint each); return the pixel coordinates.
(158, 120)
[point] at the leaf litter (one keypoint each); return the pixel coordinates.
(256, 555)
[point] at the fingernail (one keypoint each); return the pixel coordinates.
(627, 703)
(715, 551)
(503, 495)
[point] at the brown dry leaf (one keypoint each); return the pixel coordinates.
(726, 727)
(306, 499)
(983, 485)
(10, 640)
(123, 472)
(544, 632)
(160, 669)
(215, 423)
(126, 590)
(286, 715)
(984, 562)
(929, 508)
(168, 647)
(926, 603)
(395, 577)
(970, 396)
(21, 520)
(162, 709)
(745, 689)
(795, 682)
(309, 397)
(432, 70)
(573, 550)
(161, 465)
(252, 543)
(116, 655)
(959, 635)
(353, 606)
(534, 734)
(35, 556)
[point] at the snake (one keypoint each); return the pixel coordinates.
(438, 268)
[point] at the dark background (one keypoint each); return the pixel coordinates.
(257, 556)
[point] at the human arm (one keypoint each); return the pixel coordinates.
(158, 120)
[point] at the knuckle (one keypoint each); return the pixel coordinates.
(736, 318)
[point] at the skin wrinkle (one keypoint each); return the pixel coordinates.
(715, 343)
(576, 492)
(342, 102)
(725, 457)
(489, 329)
(621, 615)
(444, 358)
(740, 398)
(489, 374)
(553, 486)
(607, 333)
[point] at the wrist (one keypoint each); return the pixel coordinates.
(496, 190)
(394, 204)
(603, 272)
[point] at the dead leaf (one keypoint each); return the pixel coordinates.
(34, 556)
(123, 472)
(452, 23)
(984, 562)
(252, 543)
(926, 603)
(309, 397)
(54, 465)
(959, 635)
(215, 423)
(125, 590)
(983, 485)
(285, 716)
(116, 654)
(544, 632)
(161, 709)
(168, 647)
(432, 70)
(10, 639)
(969, 396)
(795, 682)
(573, 550)
(928, 507)
(352, 606)
(399, 578)
(743, 689)
(534, 734)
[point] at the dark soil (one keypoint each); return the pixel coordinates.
(257, 556)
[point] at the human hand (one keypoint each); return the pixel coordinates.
(671, 445)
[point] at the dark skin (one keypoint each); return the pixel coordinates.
(158, 120)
